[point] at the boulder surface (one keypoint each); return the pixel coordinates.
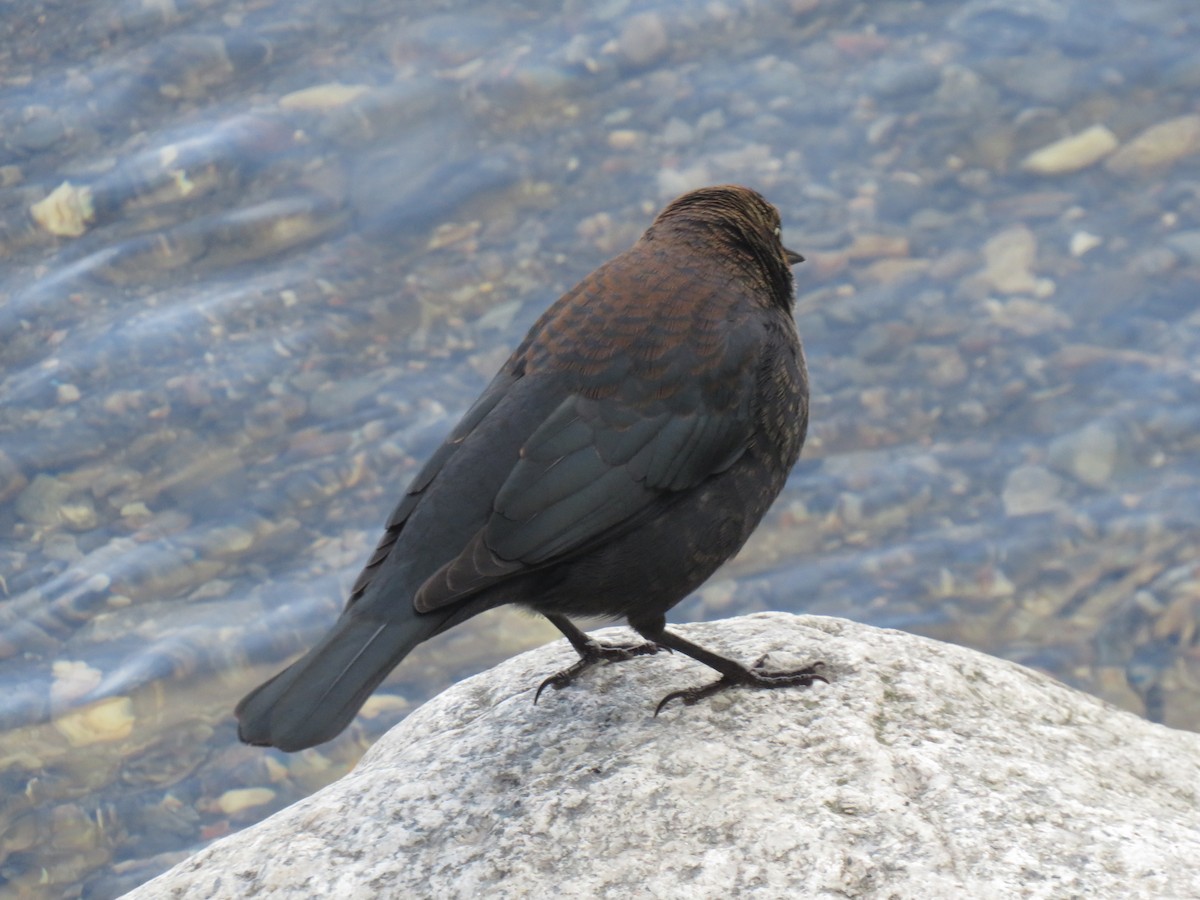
(922, 770)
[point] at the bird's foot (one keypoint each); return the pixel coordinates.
(752, 677)
(592, 653)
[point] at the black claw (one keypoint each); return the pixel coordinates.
(557, 680)
(690, 696)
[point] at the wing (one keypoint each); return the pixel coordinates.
(487, 401)
(594, 467)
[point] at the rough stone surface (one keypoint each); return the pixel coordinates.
(923, 770)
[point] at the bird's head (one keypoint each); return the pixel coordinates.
(736, 220)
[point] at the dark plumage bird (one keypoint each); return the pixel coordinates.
(628, 447)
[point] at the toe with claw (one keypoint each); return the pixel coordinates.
(752, 677)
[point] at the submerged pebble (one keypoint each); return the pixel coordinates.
(1070, 154)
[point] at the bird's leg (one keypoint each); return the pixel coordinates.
(732, 672)
(590, 652)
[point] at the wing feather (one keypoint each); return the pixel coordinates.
(592, 468)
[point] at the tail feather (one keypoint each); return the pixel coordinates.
(312, 700)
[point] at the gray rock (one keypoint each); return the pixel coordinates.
(1093, 454)
(643, 41)
(891, 79)
(1031, 489)
(923, 770)
(47, 501)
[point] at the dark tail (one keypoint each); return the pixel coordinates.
(312, 700)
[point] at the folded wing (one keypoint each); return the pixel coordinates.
(592, 468)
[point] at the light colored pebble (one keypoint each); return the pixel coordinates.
(1158, 146)
(643, 40)
(323, 96)
(78, 514)
(1090, 454)
(1084, 241)
(1072, 153)
(73, 679)
(1030, 489)
(66, 211)
(1008, 261)
(624, 139)
(107, 720)
(236, 800)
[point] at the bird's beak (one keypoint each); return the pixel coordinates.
(792, 256)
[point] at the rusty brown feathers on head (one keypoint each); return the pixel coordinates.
(741, 223)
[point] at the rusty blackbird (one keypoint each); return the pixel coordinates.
(628, 447)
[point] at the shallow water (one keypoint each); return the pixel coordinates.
(256, 258)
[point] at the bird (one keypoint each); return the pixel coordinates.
(628, 447)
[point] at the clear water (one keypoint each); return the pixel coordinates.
(236, 313)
